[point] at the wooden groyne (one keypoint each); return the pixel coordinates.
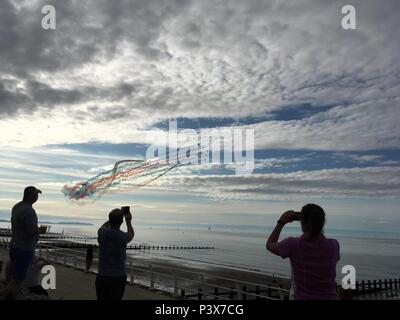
(52, 239)
(141, 247)
(54, 236)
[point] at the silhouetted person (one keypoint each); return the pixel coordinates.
(111, 279)
(313, 257)
(89, 258)
(25, 235)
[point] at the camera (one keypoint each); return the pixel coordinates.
(297, 216)
(125, 210)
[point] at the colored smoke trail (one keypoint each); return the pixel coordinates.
(139, 173)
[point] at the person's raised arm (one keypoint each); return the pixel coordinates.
(128, 220)
(272, 242)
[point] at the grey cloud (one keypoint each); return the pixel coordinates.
(209, 59)
(10, 97)
(364, 126)
(43, 94)
(32, 94)
(85, 32)
(378, 182)
(89, 32)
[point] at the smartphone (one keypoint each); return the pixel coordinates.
(125, 210)
(297, 216)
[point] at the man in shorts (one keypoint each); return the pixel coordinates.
(25, 235)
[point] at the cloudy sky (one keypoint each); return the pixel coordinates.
(323, 103)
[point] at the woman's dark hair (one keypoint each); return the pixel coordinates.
(313, 216)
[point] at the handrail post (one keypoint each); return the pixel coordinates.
(371, 292)
(216, 293)
(151, 277)
(237, 289)
(257, 292)
(175, 286)
(231, 293)
(132, 279)
(281, 296)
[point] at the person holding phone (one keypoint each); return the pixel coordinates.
(111, 277)
(313, 257)
(25, 235)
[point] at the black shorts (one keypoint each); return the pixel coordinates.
(20, 262)
(110, 288)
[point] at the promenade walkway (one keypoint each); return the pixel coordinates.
(77, 285)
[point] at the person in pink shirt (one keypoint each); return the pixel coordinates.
(313, 257)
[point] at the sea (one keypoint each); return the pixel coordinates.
(374, 255)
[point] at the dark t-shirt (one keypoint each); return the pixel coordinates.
(23, 221)
(112, 255)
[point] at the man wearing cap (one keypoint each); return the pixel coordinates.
(25, 235)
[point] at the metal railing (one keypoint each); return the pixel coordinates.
(194, 285)
(202, 285)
